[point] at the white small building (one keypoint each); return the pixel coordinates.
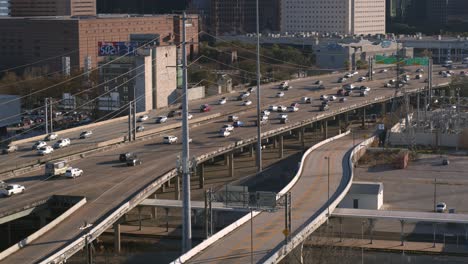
(364, 195)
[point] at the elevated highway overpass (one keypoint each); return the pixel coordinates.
(112, 189)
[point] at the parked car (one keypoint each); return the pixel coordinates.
(126, 156)
(170, 139)
(51, 136)
(247, 103)
(86, 134)
(306, 100)
(45, 150)
(9, 149)
(205, 108)
(233, 118)
(238, 123)
(142, 118)
(38, 144)
(12, 189)
(228, 127)
(73, 172)
(140, 128)
(222, 101)
(224, 133)
(441, 207)
(134, 162)
(62, 143)
(161, 119)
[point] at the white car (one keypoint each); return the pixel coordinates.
(264, 117)
(441, 207)
(447, 75)
(323, 97)
(73, 172)
(282, 116)
(306, 100)
(282, 108)
(170, 139)
(246, 103)
(332, 98)
(364, 88)
(38, 145)
(51, 136)
(361, 79)
(161, 119)
(86, 134)
(420, 70)
(228, 127)
(266, 112)
(273, 108)
(45, 150)
(356, 73)
(222, 101)
(224, 133)
(280, 94)
(64, 142)
(142, 118)
(12, 189)
(383, 70)
(349, 87)
(348, 75)
(189, 116)
(293, 109)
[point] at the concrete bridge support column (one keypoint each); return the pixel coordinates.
(383, 109)
(402, 235)
(139, 217)
(9, 233)
(226, 159)
(231, 164)
(339, 124)
(167, 219)
(275, 142)
(177, 187)
(251, 151)
(301, 136)
(117, 244)
(434, 234)
(154, 209)
(201, 176)
(371, 230)
(363, 117)
(347, 118)
(325, 129)
(281, 146)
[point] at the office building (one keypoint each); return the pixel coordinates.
(28, 40)
(230, 17)
(338, 16)
(140, 6)
(148, 78)
(4, 8)
(28, 8)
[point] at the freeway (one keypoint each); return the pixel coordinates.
(309, 199)
(118, 129)
(107, 184)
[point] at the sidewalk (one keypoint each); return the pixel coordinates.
(391, 246)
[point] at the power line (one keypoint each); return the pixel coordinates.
(39, 61)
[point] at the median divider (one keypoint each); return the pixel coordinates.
(227, 230)
(7, 252)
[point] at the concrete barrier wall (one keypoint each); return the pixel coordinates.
(206, 243)
(299, 237)
(42, 231)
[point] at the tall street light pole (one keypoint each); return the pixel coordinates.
(328, 187)
(259, 130)
(187, 225)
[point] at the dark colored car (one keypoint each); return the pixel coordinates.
(324, 107)
(347, 93)
(238, 124)
(174, 113)
(205, 108)
(340, 92)
(133, 162)
(124, 157)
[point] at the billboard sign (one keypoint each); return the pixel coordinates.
(117, 48)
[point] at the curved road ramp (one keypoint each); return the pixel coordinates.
(310, 204)
(73, 203)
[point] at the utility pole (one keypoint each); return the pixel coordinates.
(187, 225)
(130, 123)
(429, 80)
(51, 116)
(259, 130)
(46, 116)
(134, 119)
(435, 193)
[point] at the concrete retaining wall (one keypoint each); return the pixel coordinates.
(42, 231)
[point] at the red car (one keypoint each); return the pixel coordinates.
(340, 92)
(205, 108)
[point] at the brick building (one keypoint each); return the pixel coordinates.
(23, 8)
(32, 39)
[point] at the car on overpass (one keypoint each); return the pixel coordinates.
(38, 144)
(306, 100)
(45, 150)
(134, 162)
(140, 128)
(142, 118)
(280, 94)
(86, 134)
(233, 118)
(205, 108)
(161, 119)
(170, 139)
(12, 189)
(9, 149)
(126, 156)
(228, 127)
(324, 107)
(441, 207)
(62, 143)
(247, 103)
(224, 133)
(56, 168)
(222, 101)
(51, 136)
(238, 123)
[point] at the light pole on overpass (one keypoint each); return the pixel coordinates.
(259, 130)
(328, 187)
